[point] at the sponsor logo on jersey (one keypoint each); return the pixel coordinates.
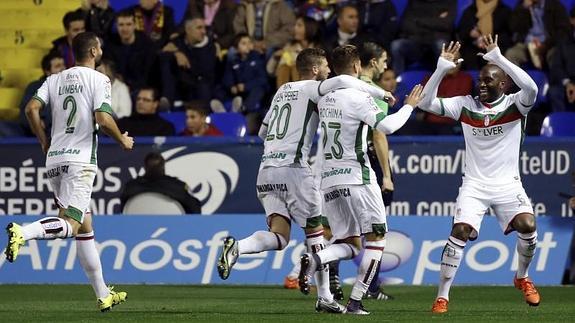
(56, 171)
(337, 193)
(63, 151)
(339, 171)
(487, 132)
(211, 176)
(486, 120)
(274, 156)
(272, 187)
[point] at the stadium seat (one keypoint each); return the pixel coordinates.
(542, 84)
(12, 77)
(19, 38)
(9, 114)
(10, 129)
(21, 57)
(152, 204)
(178, 119)
(10, 97)
(461, 6)
(230, 123)
(43, 4)
(38, 18)
(559, 124)
(405, 82)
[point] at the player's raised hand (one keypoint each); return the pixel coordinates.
(415, 96)
(451, 52)
(489, 43)
(127, 141)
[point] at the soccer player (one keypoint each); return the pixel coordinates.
(493, 131)
(80, 100)
(351, 196)
(285, 182)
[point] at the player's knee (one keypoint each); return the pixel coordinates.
(524, 223)
(461, 231)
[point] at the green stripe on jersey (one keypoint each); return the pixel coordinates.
(105, 107)
(360, 155)
(378, 118)
(311, 107)
(39, 99)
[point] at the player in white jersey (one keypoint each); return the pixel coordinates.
(80, 100)
(493, 130)
(351, 196)
(285, 183)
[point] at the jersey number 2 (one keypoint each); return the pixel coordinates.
(70, 103)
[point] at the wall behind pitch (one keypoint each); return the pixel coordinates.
(184, 250)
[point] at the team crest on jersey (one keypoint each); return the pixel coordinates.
(486, 120)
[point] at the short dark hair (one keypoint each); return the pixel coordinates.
(47, 60)
(155, 92)
(198, 106)
(309, 58)
(368, 52)
(343, 58)
(239, 38)
(82, 43)
(346, 6)
(126, 13)
(72, 16)
(154, 164)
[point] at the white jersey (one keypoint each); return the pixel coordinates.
(291, 124)
(493, 136)
(345, 118)
(74, 95)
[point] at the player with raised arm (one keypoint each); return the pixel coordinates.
(351, 196)
(285, 183)
(80, 100)
(493, 126)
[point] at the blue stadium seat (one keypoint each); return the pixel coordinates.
(461, 6)
(559, 124)
(178, 119)
(230, 123)
(405, 82)
(400, 7)
(542, 84)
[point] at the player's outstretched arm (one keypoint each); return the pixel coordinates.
(348, 81)
(528, 93)
(32, 111)
(393, 122)
(109, 126)
(446, 62)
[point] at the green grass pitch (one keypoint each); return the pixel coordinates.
(167, 303)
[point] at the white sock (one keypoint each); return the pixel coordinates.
(47, 229)
(337, 251)
(261, 241)
(526, 246)
(90, 261)
(315, 243)
(450, 260)
(367, 268)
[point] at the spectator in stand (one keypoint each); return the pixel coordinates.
(388, 81)
(455, 83)
(347, 30)
(188, 64)
(219, 19)
(538, 26)
(74, 24)
(196, 124)
(131, 50)
(378, 20)
(121, 100)
(145, 121)
(155, 180)
(155, 20)
(483, 17)
(282, 63)
(52, 63)
(246, 80)
(99, 17)
(268, 22)
(562, 73)
(425, 26)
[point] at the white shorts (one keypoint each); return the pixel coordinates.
(506, 200)
(72, 185)
(353, 210)
(290, 192)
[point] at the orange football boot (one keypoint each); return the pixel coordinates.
(529, 291)
(439, 306)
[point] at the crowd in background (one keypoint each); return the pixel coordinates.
(228, 56)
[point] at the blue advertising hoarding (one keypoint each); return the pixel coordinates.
(184, 250)
(222, 174)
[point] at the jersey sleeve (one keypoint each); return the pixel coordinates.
(451, 107)
(519, 100)
(103, 95)
(43, 94)
(368, 111)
